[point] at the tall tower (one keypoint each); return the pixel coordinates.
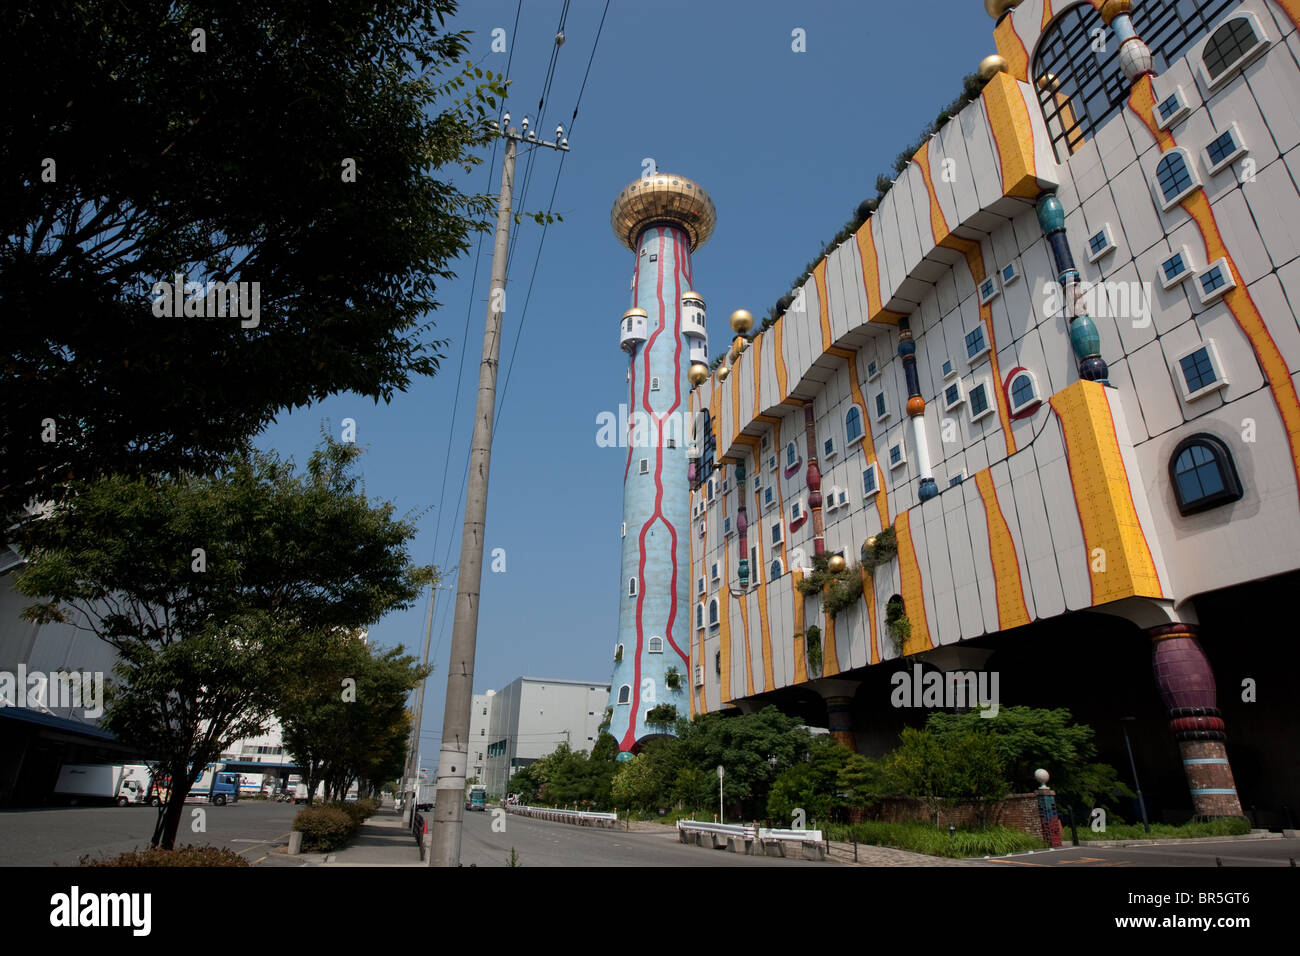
(662, 219)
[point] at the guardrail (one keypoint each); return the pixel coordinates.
(586, 818)
(752, 840)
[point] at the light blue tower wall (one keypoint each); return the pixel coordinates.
(656, 504)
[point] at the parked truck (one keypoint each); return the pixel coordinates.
(476, 799)
(123, 784)
(214, 786)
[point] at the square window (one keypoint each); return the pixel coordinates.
(1010, 273)
(882, 409)
(776, 533)
(979, 403)
(1200, 371)
(873, 371)
(764, 445)
(654, 257)
(794, 511)
(769, 498)
(701, 588)
(713, 571)
(975, 343)
(1171, 109)
(956, 479)
(771, 463)
(948, 370)
(1176, 268)
(988, 290)
(897, 455)
(1223, 149)
(953, 396)
(726, 525)
(1100, 243)
(828, 447)
(870, 480)
(1214, 281)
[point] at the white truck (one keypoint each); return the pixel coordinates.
(123, 784)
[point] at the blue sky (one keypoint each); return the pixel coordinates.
(786, 143)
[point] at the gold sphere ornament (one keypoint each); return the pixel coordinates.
(1049, 82)
(990, 66)
(995, 8)
(837, 563)
(741, 321)
(871, 542)
(723, 373)
(698, 374)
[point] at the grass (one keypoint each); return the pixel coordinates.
(1225, 826)
(924, 838)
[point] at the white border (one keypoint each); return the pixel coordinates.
(902, 456)
(1228, 160)
(1168, 204)
(1229, 284)
(1178, 115)
(1037, 399)
(1241, 61)
(961, 395)
(872, 467)
(1108, 247)
(1220, 379)
(990, 400)
(1189, 269)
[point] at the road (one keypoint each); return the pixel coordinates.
(60, 836)
(1228, 852)
(541, 843)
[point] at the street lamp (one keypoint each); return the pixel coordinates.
(721, 813)
(1142, 807)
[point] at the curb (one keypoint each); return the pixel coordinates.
(1177, 841)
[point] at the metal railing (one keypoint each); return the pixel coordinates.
(554, 814)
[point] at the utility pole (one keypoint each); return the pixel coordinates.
(449, 807)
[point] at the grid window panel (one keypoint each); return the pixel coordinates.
(1229, 44)
(952, 393)
(1174, 266)
(1090, 87)
(1198, 474)
(979, 399)
(1222, 147)
(869, 481)
(895, 454)
(1173, 177)
(1170, 106)
(974, 342)
(1213, 279)
(1022, 390)
(853, 424)
(1198, 370)
(880, 404)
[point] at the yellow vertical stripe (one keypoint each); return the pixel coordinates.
(911, 586)
(1007, 582)
(823, 304)
(800, 663)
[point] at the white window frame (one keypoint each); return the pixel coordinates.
(624, 534)
(644, 467)
(1230, 281)
(875, 404)
(902, 454)
(798, 508)
(1037, 398)
(1236, 65)
(957, 477)
(830, 453)
(1231, 158)
(961, 394)
(991, 403)
(1168, 204)
(714, 573)
(1013, 277)
(654, 383)
(1107, 247)
(769, 497)
(1216, 363)
(701, 615)
(874, 468)
(873, 370)
(650, 645)
(779, 563)
(995, 289)
(703, 588)
(791, 446)
(1189, 268)
(699, 675)
(1177, 115)
(862, 426)
(624, 699)
(712, 604)
(631, 587)
(948, 369)
(780, 537)
(726, 526)
(772, 461)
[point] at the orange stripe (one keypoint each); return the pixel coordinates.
(823, 305)
(1012, 49)
(754, 444)
(800, 663)
(697, 693)
(724, 621)
(1012, 611)
(756, 346)
(938, 222)
(830, 655)
(911, 586)
(1292, 9)
(876, 311)
(1142, 101)
(779, 355)
(1047, 14)
(735, 397)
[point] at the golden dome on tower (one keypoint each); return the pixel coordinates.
(663, 198)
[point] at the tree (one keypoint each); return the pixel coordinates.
(745, 746)
(207, 587)
(295, 146)
(920, 767)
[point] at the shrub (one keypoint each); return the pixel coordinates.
(1224, 826)
(181, 856)
(371, 805)
(324, 828)
(925, 838)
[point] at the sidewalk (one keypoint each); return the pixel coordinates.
(383, 840)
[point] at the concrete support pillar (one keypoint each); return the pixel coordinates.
(1187, 688)
(838, 695)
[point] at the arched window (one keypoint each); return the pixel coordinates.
(713, 613)
(1231, 45)
(1203, 474)
(1081, 87)
(625, 694)
(777, 570)
(618, 653)
(853, 424)
(1175, 177)
(1022, 392)
(656, 645)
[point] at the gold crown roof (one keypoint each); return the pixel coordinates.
(663, 197)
